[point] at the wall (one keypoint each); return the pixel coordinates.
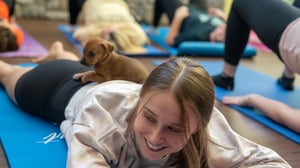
(42, 9)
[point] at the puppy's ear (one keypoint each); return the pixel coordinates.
(108, 47)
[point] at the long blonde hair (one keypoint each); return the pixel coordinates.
(192, 85)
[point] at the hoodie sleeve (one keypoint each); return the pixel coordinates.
(229, 149)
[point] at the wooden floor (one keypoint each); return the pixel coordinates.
(46, 32)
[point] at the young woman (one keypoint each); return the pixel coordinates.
(169, 121)
(192, 22)
(11, 36)
(274, 109)
(276, 23)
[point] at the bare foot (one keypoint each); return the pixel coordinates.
(56, 51)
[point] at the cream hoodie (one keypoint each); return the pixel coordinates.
(97, 117)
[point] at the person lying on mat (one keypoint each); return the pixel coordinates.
(111, 20)
(276, 23)
(169, 121)
(192, 22)
(11, 36)
(275, 110)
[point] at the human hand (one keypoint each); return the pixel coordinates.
(217, 12)
(237, 100)
(218, 34)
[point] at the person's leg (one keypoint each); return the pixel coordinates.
(9, 75)
(57, 51)
(74, 10)
(296, 3)
(267, 18)
(157, 13)
(11, 6)
(165, 6)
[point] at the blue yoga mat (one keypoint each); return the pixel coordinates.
(29, 141)
(250, 81)
(191, 48)
(151, 51)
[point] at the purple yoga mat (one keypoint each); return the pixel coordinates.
(29, 48)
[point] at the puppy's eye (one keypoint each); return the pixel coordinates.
(91, 54)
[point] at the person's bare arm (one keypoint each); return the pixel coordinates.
(181, 13)
(275, 110)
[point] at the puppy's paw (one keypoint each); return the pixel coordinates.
(82, 77)
(77, 76)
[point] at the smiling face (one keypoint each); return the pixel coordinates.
(158, 127)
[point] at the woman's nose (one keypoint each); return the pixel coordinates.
(157, 136)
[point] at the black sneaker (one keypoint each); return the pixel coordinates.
(286, 83)
(223, 81)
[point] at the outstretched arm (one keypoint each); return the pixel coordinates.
(181, 13)
(275, 110)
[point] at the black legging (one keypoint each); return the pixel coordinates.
(165, 6)
(268, 19)
(11, 6)
(46, 90)
(296, 3)
(75, 7)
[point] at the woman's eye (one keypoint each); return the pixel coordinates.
(149, 118)
(173, 129)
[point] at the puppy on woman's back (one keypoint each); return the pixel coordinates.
(109, 65)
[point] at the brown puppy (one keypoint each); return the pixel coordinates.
(108, 65)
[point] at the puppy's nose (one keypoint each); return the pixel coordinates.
(82, 61)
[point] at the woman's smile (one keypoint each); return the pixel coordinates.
(154, 148)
